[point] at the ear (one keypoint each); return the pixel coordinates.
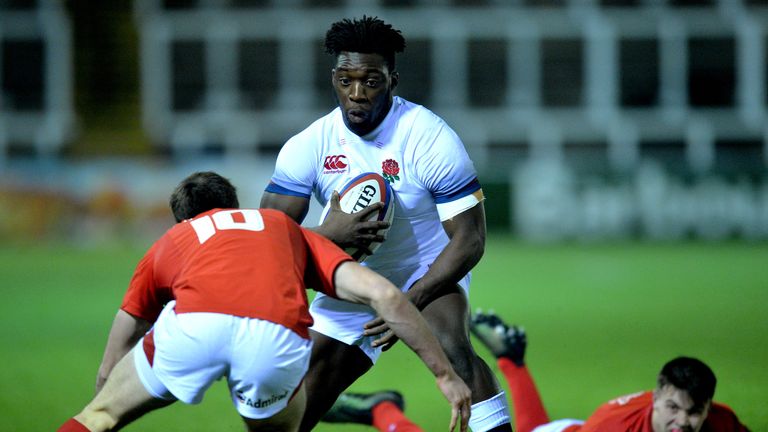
(333, 75)
(393, 80)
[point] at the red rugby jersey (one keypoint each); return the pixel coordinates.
(632, 413)
(242, 262)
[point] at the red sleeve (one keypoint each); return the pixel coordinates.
(630, 413)
(145, 298)
(322, 260)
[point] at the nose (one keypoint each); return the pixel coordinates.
(684, 420)
(357, 92)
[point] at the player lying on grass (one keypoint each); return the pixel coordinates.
(223, 292)
(681, 401)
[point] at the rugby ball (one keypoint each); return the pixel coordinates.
(360, 192)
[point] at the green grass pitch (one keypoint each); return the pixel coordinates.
(601, 320)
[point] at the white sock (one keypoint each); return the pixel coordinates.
(489, 413)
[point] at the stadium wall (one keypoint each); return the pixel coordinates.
(586, 120)
(126, 200)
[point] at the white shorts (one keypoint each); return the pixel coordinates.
(557, 425)
(343, 321)
(183, 355)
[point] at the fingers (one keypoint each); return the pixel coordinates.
(372, 226)
(459, 396)
(366, 251)
(465, 414)
(388, 337)
(367, 237)
(378, 326)
(460, 413)
(369, 211)
(335, 201)
(378, 225)
(374, 323)
(348, 230)
(375, 330)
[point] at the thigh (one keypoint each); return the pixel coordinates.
(343, 321)
(287, 420)
(333, 367)
(122, 399)
(267, 365)
(448, 318)
(188, 352)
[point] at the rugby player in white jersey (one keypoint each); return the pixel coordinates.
(438, 233)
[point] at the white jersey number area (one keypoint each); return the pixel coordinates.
(249, 220)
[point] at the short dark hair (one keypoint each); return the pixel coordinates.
(368, 35)
(691, 375)
(200, 192)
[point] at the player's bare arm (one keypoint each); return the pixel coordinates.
(467, 232)
(126, 331)
(294, 206)
(359, 284)
(344, 229)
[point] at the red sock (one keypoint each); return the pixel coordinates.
(73, 425)
(529, 410)
(387, 417)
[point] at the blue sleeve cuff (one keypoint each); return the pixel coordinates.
(465, 190)
(277, 189)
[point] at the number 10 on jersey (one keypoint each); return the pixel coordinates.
(247, 219)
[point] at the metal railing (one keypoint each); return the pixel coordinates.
(524, 118)
(49, 125)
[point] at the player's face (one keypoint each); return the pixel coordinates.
(675, 411)
(363, 85)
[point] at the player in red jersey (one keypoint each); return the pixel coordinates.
(681, 402)
(223, 292)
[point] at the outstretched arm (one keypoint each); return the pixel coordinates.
(359, 284)
(126, 331)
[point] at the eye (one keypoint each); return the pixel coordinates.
(372, 83)
(671, 407)
(343, 81)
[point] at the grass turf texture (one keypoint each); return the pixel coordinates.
(601, 320)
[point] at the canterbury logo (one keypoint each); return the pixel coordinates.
(336, 162)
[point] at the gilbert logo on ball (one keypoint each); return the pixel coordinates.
(357, 194)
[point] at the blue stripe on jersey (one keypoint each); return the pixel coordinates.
(276, 188)
(467, 189)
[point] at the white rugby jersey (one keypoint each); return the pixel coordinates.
(416, 151)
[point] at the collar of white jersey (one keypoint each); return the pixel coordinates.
(370, 136)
